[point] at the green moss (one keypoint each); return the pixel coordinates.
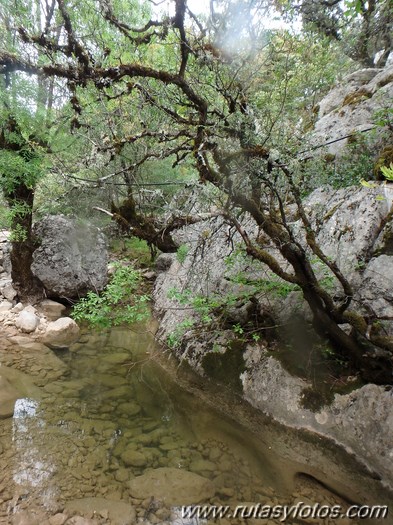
(357, 321)
(357, 96)
(133, 249)
(227, 367)
(315, 399)
(385, 158)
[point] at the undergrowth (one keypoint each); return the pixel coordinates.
(120, 302)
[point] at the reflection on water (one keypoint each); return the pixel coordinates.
(116, 415)
(30, 467)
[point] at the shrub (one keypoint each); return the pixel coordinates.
(118, 304)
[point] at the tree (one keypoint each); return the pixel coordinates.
(25, 108)
(194, 100)
(21, 167)
(363, 29)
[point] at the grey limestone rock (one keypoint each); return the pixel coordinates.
(348, 223)
(72, 257)
(351, 106)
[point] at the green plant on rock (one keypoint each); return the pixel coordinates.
(119, 303)
(182, 253)
(174, 339)
(387, 172)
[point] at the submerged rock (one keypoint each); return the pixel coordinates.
(173, 486)
(133, 458)
(118, 512)
(8, 397)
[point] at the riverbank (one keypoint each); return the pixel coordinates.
(231, 319)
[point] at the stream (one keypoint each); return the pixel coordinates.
(101, 417)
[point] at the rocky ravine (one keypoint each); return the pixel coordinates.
(355, 229)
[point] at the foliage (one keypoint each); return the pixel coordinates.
(354, 164)
(204, 93)
(362, 29)
(120, 302)
(182, 253)
(387, 172)
(133, 249)
(174, 339)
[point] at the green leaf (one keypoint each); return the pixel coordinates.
(367, 184)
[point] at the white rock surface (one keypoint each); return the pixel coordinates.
(27, 321)
(351, 106)
(5, 306)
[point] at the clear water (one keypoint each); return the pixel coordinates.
(114, 413)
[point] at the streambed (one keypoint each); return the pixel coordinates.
(98, 419)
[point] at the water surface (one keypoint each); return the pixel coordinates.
(113, 413)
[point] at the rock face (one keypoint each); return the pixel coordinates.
(72, 257)
(172, 486)
(351, 106)
(353, 227)
(354, 420)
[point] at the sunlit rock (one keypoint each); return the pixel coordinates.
(51, 309)
(5, 306)
(27, 321)
(61, 333)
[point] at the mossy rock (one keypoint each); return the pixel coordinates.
(314, 400)
(385, 158)
(357, 96)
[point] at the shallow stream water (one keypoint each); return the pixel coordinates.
(116, 408)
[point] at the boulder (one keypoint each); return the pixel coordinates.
(72, 257)
(5, 249)
(173, 486)
(118, 512)
(51, 309)
(9, 292)
(27, 321)
(353, 227)
(61, 333)
(377, 289)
